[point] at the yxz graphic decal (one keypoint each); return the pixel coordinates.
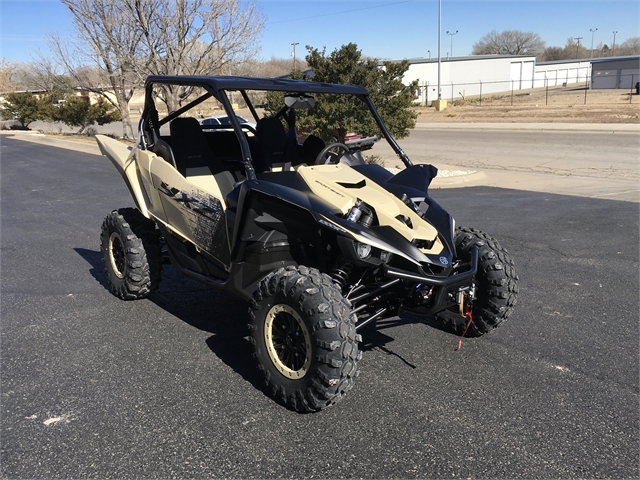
(205, 217)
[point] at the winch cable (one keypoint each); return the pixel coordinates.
(470, 315)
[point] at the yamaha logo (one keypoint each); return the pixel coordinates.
(444, 261)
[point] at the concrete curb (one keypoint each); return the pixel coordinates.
(458, 180)
(53, 142)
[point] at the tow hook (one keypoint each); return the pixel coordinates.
(464, 299)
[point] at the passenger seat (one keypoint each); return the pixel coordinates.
(195, 160)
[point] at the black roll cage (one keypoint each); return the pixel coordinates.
(217, 86)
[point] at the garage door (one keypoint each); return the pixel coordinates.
(604, 79)
(628, 77)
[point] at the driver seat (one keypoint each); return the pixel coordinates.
(275, 145)
(272, 143)
(309, 150)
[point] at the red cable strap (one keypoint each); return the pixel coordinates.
(470, 315)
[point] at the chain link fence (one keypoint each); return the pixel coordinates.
(546, 92)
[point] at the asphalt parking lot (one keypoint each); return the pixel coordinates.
(92, 386)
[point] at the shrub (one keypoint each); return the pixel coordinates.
(24, 107)
(79, 112)
(374, 160)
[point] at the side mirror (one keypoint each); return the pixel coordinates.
(299, 101)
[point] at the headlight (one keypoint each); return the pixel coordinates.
(362, 250)
(385, 256)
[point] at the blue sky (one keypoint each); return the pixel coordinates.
(382, 29)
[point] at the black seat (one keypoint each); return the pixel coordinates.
(190, 147)
(310, 149)
(158, 146)
(272, 143)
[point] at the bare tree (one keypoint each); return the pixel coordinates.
(6, 72)
(194, 37)
(602, 50)
(555, 53)
(574, 49)
(509, 42)
(274, 67)
(106, 37)
(43, 76)
(631, 46)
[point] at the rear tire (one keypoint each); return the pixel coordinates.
(304, 338)
(131, 254)
(496, 285)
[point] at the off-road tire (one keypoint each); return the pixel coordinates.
(496, 285)
(131, 253)
(321, 329)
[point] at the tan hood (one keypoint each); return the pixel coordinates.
(341, 186)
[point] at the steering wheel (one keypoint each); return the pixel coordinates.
(331, 154)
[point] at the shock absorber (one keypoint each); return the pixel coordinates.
(341, 271)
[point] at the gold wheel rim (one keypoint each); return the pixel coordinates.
(117, 255)
(288, 341)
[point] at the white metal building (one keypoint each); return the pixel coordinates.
(470, 76)
(562, 72)
(616, 72)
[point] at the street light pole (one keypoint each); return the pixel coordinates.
(439, 35)
(452, 34)
(578, 46)
(294, 54)
(613, 54)
(592, 33)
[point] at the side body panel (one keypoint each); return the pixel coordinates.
(190, 210)
(123, 158)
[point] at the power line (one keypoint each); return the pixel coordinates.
(339, 13)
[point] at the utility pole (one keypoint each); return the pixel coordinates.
(613, 52)
(593, 31)
(294, 54)
(578, 46)
(429, 54)
(451, 34)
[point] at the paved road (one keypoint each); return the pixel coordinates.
(92, 386)
(604, 164)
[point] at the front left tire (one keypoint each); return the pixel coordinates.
(304, 338)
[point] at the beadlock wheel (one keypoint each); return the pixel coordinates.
(131, 253)
(117, 255)
(288, 341)
(304, 338)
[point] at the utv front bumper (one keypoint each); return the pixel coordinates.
(455, 280)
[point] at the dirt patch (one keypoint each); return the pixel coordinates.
(568, 105)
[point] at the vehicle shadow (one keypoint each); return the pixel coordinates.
(202, 307)
(94, 258)
(374, 338)
(226, 318)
